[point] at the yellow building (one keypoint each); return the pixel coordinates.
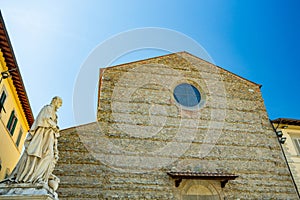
(15, 113)
(288, 132)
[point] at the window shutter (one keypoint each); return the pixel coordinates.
(2, 100)
(19, 138)
(14, 125)
(12, 122)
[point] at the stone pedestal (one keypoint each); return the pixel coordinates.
(27, 197)
(26, 191)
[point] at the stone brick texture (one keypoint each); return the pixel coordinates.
(125, 154)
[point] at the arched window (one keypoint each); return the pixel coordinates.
(200, 190)
(197, 192)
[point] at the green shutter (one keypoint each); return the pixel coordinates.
(12, 122)
(2, 100)
(14, 125)
(19, 138)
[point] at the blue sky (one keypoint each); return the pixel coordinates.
(258, 40)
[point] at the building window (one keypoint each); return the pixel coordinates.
(12, 122)
(199, 190)
(297, 145)
(2, 100)
(7, 173)
(19, 137)
(187, 95)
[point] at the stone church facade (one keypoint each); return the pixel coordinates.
(174, 127)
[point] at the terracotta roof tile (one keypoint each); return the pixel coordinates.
(202, 175)
(286, 121)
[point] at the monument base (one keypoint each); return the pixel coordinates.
(26, 191)
(27, 197)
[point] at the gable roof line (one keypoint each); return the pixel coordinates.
(137, 61)
(12, 65)
(221, 68)
(79, 126)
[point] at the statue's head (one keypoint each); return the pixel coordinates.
(56, 101)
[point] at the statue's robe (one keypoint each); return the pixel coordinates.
(37, 161)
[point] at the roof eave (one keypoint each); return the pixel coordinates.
(12, 65)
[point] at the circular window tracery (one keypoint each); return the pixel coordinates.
(187, 95)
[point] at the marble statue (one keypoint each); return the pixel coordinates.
(41, 154)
